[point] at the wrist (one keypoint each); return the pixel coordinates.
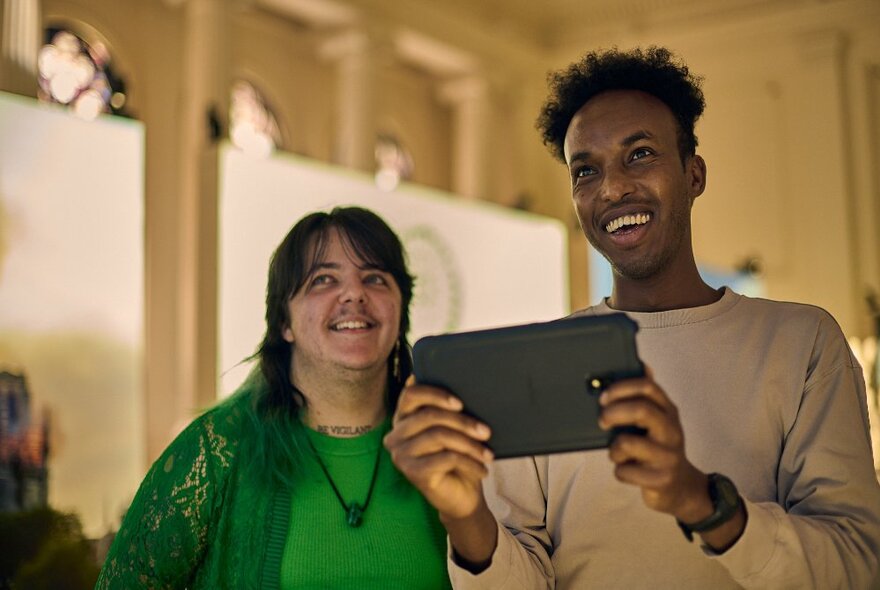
(724, 502)
(473, 538)
(696, 505)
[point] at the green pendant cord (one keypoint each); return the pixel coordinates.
(354, 512)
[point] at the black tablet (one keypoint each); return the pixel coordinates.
(535, 385)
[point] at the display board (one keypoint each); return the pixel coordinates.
(71, 302)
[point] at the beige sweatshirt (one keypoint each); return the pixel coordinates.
(770, 395)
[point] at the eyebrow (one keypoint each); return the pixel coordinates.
(625, 142)
(337, 266)
(332, 265)
(637, 136)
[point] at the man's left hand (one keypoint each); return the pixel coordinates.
(655, 461)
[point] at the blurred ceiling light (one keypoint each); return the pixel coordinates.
(252, 126)
(64, 67)
(117, 101)
(387, 180)
(393, 162)
(89, 105)
(250, 141)
(73, 73)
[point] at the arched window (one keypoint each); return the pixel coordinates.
(78, 74)
(252, 125)
(393, 162)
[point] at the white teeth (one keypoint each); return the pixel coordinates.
(624, 220)
(350, 325)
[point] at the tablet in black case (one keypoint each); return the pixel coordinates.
(535, 385)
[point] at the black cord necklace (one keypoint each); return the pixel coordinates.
(354, 512)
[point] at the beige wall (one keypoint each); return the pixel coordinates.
(790, 136)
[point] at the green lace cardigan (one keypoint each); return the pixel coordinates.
(196, 492)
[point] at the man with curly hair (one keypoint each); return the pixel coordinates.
(754, 411)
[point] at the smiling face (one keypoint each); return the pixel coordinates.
(345, 318)
(631, 190)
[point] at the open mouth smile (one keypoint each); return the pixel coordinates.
(351, 325)
(627, 222)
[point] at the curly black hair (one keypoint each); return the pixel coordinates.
(654, 70)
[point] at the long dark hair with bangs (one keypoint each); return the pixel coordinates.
(275, 403)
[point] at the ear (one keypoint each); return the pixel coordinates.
(287, 334)
(696, 173)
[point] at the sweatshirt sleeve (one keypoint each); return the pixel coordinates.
(164, 534)
(823, 531)
(515, 494)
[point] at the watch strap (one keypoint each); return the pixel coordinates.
(726, 502)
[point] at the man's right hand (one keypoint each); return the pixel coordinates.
(439, 449)
(443, 453)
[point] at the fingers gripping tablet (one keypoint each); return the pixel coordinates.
(535, 385)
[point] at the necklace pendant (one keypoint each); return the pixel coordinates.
(355, 515)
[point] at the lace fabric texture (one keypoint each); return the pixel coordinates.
(189, 525)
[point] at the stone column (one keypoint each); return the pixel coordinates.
(358, 56)
(821, 204)
(188, 327)
(469, 99)
(205, 88)
(21, 40)
(866, 154)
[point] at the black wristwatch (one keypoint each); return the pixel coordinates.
(725, 501)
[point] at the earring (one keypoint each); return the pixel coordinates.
(395, 367)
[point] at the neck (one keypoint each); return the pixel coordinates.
(674, 289)
(342, 407)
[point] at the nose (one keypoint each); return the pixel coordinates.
(352, 291)
(616, 184)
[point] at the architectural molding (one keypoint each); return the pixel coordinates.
(467, 88)
(316, 13)
(436, 57)
(469, 98)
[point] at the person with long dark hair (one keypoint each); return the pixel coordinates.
(286, 484)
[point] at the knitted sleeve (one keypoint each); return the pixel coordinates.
(163, 536)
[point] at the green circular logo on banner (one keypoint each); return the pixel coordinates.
(437, 296)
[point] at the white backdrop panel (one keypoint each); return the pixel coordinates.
(71, 295)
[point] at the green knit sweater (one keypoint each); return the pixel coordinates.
(198, 522)
(399, 544)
